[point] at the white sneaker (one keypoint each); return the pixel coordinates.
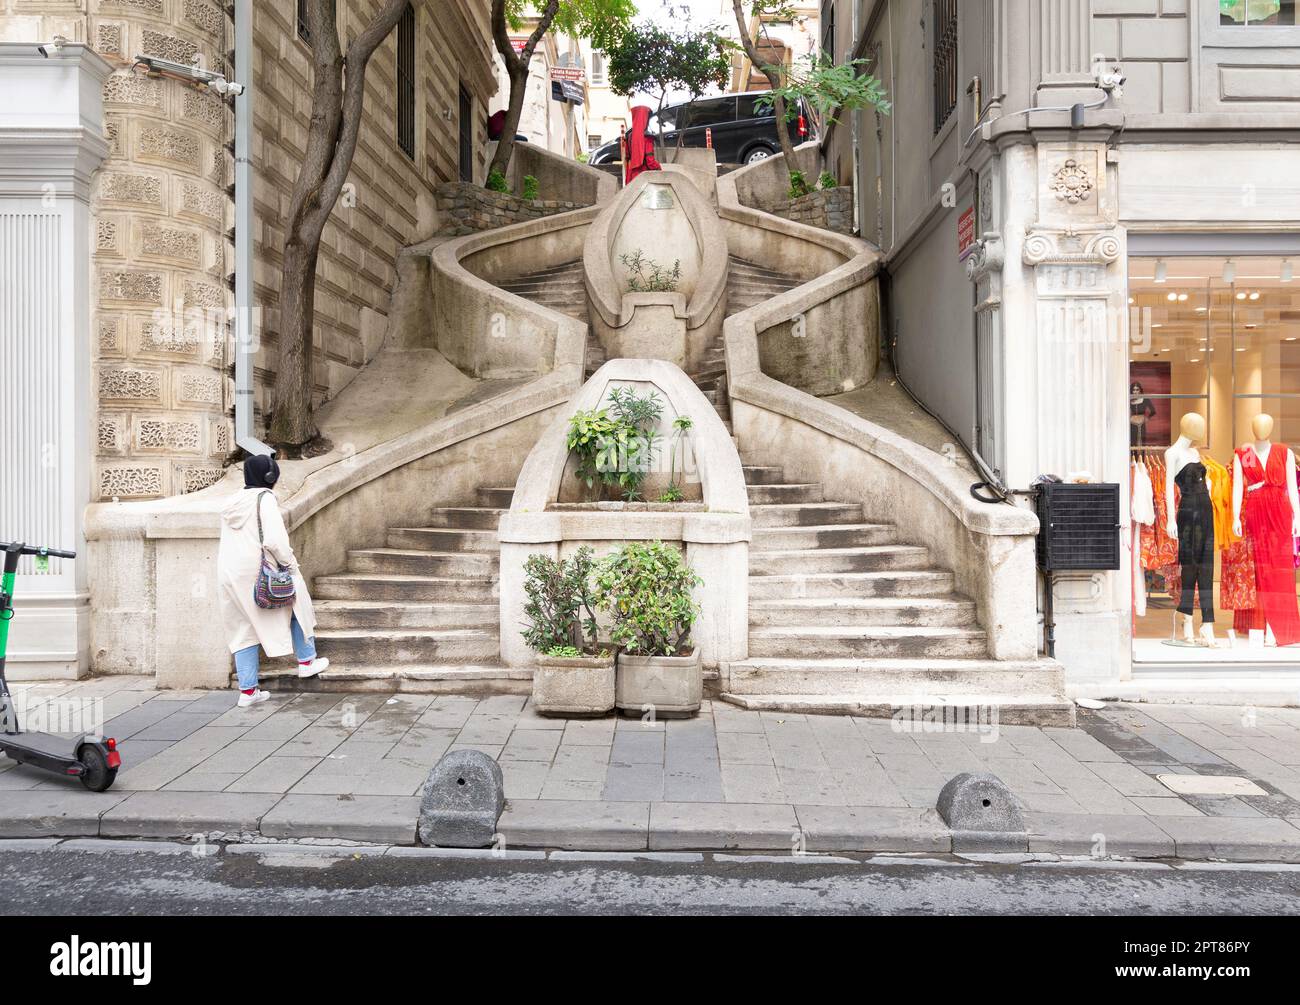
(256, 698)
(319, 665)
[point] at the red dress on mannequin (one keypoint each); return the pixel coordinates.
(1266, 518)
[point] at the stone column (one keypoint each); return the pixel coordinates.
(1064, 49)
(51, 140)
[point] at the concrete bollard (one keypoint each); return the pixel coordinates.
(461, 801)
(982, 814)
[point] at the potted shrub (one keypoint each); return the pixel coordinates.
(575, 673)
(647, 588)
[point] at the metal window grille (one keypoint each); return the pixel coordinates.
(304, 28)
(945, 60)
(406, 82)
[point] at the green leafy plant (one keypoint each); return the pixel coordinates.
(645, 275)
(615, 445)
(496, 182)
(681, 427)
(530, 187)
(798, 184)
(827, 180)
(647, 590)
(582, 157)
(672, 494)
(559, 594)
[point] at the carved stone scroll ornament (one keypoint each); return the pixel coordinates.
(1071, 247)
(988, 255)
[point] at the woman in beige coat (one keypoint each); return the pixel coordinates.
(278, 630)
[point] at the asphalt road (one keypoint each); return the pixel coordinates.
(60, 882)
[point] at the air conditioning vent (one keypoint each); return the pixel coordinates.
(1079, 527)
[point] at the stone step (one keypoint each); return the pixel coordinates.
(805, 493)
(468, 517)
(869, 559)
(499, 497)
(824, 585)
(911, 706)
(763, 474)
(804, 514)
(443, 539)
(398, 562)
(842, 676)
(409, 678)
(360, 586)
(397, 646)
(745, 286)
(345, 615)
(533, 286)
(947, 612)
(867, 642)
(845, 535)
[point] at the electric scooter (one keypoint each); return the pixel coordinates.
(87, 756)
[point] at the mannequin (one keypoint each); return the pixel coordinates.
(1140, 411)
(1266, 509)
(1192, 526)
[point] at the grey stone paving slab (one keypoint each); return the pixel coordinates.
(747, 826)
(315, 741)
(632, 747)
(588, 732)
(379, 819)
(744, 748)
(181, 814)
(275, 774)
(492, 750)
(751, 783)
(1222, 806)
(727, 719)
(240, 756)
(1128, 780)
(179, 758)
(638, 723)
(135, 752)
(492, 730)
(69, 812)
(355, 748)
(281, 726)
(1097, 835)
(1081, 746)
(811, 786)
(532, 745)
(578, 825)
(700, 783)
(872, 828)
(524, 779)
(1166, 806)
(128, 724)
(446, 713)
(198, 780)
(634, 782)
(1263, 839)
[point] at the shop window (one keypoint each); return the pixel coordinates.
(406, 82)
(1249, 13)
(945, 61)
(1218, 339)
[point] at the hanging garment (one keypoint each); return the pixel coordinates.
(1221, 499)
(1165, 548)
(1195, 540)
(1142, 510)
(640, 145)
(1267, 520)
(1237, 578)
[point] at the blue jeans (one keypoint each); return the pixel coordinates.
(246, 660)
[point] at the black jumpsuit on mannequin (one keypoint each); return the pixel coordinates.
(1195, 541)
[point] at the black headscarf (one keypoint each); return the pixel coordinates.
(261, 472)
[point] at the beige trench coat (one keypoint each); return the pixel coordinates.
(239, 557)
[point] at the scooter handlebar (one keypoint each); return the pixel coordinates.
(27, 549)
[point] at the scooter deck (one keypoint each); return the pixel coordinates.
(41, 745)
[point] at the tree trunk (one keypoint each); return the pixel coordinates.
(514, 112)
(783, 133)
(773, 74)
(291, 421)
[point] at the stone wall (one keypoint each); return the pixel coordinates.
(160, 298)
(467, 209)
(830, 209)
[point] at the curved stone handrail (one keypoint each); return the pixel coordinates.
(918, 489)
(606, 294)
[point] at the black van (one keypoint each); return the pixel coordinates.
(742, 133)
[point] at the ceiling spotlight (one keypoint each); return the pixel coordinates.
(1132, 300)
(1201, 310)
(1229, 272)
(1288, 271)
(1172, 296)
(1162, 271)
(1241, 295)
(1254, 295)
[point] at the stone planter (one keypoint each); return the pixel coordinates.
(582, 686)
(672, 685)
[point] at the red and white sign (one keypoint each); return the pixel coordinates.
(518, 43)
(965, 232)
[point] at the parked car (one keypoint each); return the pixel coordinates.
(742, 133)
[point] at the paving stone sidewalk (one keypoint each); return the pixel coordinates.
(351, 766)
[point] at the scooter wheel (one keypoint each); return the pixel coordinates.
(98, 776)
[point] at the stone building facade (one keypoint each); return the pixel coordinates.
(1052, 238)
(160, 295)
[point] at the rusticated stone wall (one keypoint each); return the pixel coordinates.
(829, 208)
(160, 300)
(467, 209)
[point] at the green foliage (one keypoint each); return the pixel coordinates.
(582, 157)
(798, 185)
(602, 21)
(496, 182)
(530, 187)
(655, 60)
(827, 180)
(648, 276)
(615, 445)
(681, 426)
(828, 88)
(647, 591)
(672, 494)
(559, 593)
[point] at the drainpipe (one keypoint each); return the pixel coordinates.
(245, 334)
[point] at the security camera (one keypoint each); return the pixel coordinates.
(191, 72)
(54, 47)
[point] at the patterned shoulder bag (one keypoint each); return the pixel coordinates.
(274, 587)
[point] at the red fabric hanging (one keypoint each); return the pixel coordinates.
(1266, 518)
(640, 145)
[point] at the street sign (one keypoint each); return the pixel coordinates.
(567, 73)
(567, 91)
(965, 232)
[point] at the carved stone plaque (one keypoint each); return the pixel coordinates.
(657, 197)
